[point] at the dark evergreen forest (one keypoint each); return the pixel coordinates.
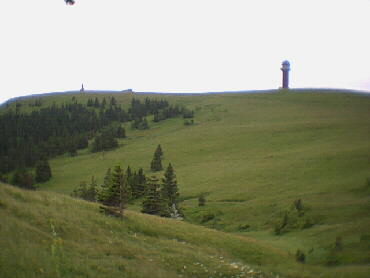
(27, 138)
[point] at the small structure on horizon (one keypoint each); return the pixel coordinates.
(130, 91)
(285, 67)
(82, 90)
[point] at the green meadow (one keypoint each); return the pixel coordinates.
(251, 155)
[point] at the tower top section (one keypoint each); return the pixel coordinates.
(285, 66)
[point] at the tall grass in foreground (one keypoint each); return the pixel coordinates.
(45, 234)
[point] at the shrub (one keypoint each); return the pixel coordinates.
(243, 227)
(308, 223)
(332, 259)
(298, 205)
(281, 225)
(338, 243)
(201, 200)
(300, 256)
(207, 217)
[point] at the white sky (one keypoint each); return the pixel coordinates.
(182, 45)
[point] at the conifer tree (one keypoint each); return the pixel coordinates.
(119, 188)
(140, 183)
(170, 190)
(113, 102)
(103, 192)
(103, 103)
(96, 103)
(92, 190)
(159, 151)
(154, 202)
(156, 164)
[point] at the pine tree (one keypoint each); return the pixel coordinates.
(156, 164)
(43, 171)
(117, 192)
(102, 194)
(153, 202)
(96, 103)
(117, 185)
(103, 103)
(170, 190)
(92, 190)
(159, 151)
(113, 102)
(140, 182)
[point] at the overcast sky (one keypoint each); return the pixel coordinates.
(182, 45)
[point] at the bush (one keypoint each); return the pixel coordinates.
(298, 204)
(281, 225)
(201, 200)
(338, 243)
(308, 223)
(207, 217)
(332, 259)
(22, 178)
(3, 178)
(43, 171)
(85, 191)
(244, 227)
(191, 122)
(300, 256)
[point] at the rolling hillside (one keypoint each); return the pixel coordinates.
(253, 156)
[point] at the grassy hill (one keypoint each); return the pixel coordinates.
(253, 156)
(45, 234)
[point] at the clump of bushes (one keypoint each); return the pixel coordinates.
(294, 218)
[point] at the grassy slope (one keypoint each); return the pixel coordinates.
(254, 154)
(45, 234)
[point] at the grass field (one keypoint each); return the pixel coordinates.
(253, 155)
(45, 234)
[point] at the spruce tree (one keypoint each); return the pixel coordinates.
(92, 190)
(115, 191)
(170, 190)
(96, 103)
(156, 164)
(154, 202)
(103, 192)
(116, 185)
(159, 151)
(138, 184)
(103, 103)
